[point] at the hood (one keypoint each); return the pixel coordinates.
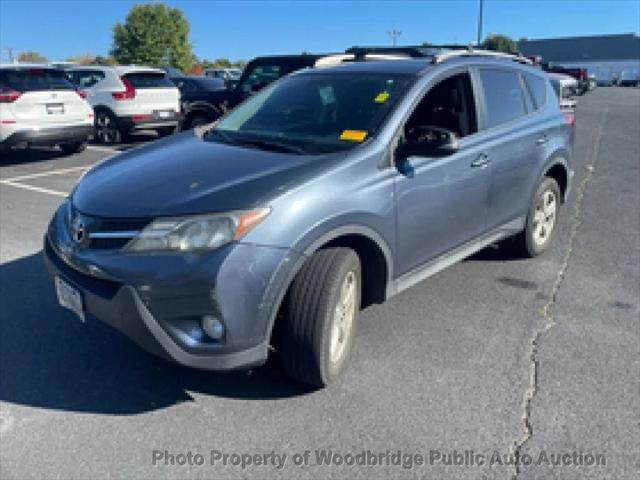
(184, 175)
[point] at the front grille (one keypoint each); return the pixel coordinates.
(105, 233)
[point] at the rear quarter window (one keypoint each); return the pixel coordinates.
(504, 100)
(34, 80)
(149, 80)
(537, 88)
(86, 78)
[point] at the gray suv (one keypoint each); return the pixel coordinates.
(329, 190)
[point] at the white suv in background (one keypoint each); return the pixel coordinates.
(39, 106)
(127, 98)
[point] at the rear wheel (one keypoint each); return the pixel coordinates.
(321, 316)
(73, 147)
(107, 130)
(541, 219)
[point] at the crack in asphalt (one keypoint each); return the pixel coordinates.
(546, 311)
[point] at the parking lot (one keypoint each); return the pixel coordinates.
(494, 355)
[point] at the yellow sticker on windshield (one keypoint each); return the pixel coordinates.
(381, 97)
(353, 135)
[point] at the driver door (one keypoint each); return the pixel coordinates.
(441, 201)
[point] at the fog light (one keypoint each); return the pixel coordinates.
(212, 327)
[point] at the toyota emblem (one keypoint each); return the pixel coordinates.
(78, 230)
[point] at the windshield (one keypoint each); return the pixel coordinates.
(313, 114)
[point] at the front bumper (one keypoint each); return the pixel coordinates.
(158, 300)
(49, 135)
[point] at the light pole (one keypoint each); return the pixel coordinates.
(480, 23)
(394, 34)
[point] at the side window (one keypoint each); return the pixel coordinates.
(537, 89)
(86, 78)
(504, 100)
(260, 77)
(448, 105)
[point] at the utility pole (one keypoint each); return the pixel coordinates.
(480, 23)
(10, 51)
(394, 34)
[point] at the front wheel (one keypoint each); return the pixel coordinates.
(321, 316)
(541, 219)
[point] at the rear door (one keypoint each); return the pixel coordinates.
(47, 97)
(155, 92)
(514, 136)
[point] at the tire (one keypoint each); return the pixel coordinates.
(316, 337)
(73, 147)
(542, 220)
(166, 131)
(107, 130)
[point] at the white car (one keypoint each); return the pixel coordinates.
(566, 88)
(127, 98)
(39, 106)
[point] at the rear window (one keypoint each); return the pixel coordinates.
(34, 80)
(503, 96)
(537, 89)
(149, 80)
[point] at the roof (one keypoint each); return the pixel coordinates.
(119, 69)
(575, 49)
(25, 65)
(399, 66)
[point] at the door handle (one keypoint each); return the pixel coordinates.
(542, 140)
(481, 162)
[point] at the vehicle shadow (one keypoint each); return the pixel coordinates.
(503, 251)
(31, 155)
(49, 359)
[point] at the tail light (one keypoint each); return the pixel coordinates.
(129, 92)
(81, 93)
(570, 119)
(8, 96)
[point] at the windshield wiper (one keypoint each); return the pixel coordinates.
(271, 145)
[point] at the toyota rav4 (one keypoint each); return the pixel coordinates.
(329, 190)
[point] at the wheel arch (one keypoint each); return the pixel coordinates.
(375, 260)
(558, 168)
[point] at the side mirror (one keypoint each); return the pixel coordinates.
(429, 142)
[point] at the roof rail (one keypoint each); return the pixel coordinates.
(438, 53)
(470, 51)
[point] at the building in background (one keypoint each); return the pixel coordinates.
(610, 58)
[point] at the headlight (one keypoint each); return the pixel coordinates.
(202, 232)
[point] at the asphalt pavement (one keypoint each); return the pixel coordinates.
(492, 359)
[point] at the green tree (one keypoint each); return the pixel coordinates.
(32, 57)
(500, 43)
(153, 34)
(82, 59)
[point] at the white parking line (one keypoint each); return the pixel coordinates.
(45, 174)
(24, 186)
(102, 149)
